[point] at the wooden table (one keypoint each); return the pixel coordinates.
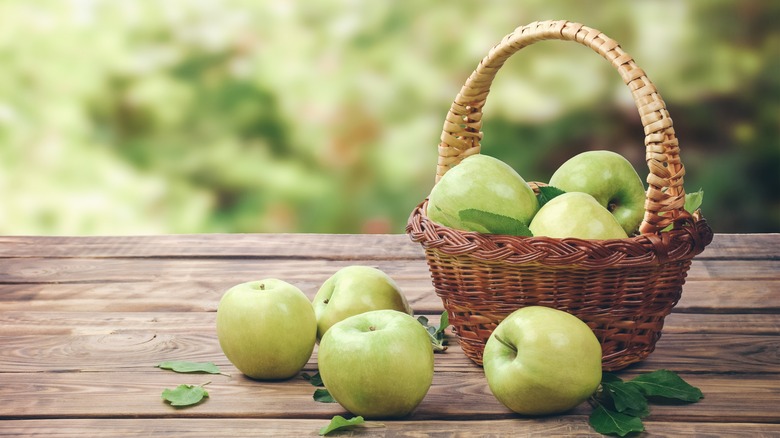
(85, 320)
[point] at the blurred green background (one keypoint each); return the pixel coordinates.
(146, 117)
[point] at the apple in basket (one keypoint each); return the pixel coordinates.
(353, 290)
(266, 328)
(611, 179)
(576, 214)
(377, 364)
(541, 361)
(483, 194)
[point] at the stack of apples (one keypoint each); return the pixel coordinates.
(599, 196)
(374, 357)
(376, 360)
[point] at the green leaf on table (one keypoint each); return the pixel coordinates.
(666, 384)
(444, 322)
(547, 193)
(609, 422)
(436, 334)
(314, 379)
(626, 398)
(181, 366)
(185, 395)
(339, 423)
(323, 396)
(494, 223)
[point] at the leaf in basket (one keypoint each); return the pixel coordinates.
(547, 193)
(693, 200)
(692, 203)
(494, 223)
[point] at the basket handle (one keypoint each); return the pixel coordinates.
(461, 135)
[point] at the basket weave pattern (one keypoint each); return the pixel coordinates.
(622, 288)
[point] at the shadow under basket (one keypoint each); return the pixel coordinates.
(622, 288)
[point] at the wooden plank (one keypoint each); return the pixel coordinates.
(108, 270)
(301, 245)
(453, 395)
(107, 348)
(570, 425)
(203, 294)
(763, 246)
(167, 296)
(25, 322)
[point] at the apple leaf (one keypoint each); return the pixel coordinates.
(666, 384)
(436, 334)
(547, 193)
(620, 406)
(185, 395)
(609, 422)
(626, 398)
(340, 423)
(693, 200)
(692, 203)
(444, 322)
(323, 396)
(181, 366)
(494, 223)
(315, 379)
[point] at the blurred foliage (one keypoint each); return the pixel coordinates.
(144, 117)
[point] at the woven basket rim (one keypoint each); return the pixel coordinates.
(688, 238)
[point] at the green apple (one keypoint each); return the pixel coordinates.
(353, 290)
(541, 361)
(576, 214)
(266, 328)
(611, 179)
(377, 364)
(483, 194)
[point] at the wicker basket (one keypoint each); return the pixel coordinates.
(622, 288)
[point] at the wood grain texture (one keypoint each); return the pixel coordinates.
(572, 425)
(85, 320)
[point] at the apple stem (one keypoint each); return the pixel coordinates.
(372, 328)
(508, 345)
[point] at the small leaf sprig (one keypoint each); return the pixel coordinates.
(619, 406)
(436, 333)
(340, 423)
(181, 366)
(185, 395)
(321, 394)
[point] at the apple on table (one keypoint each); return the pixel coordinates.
(266, 328)
(541, 361)
(377, 364)
(353, 290)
